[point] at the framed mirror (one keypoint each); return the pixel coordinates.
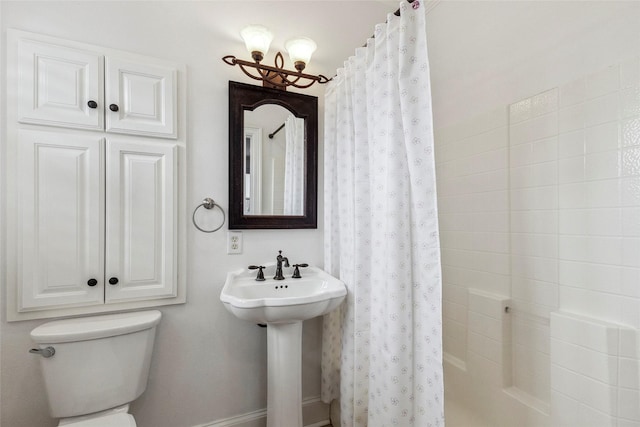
(273, 158)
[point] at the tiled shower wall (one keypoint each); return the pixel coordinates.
(540, 207)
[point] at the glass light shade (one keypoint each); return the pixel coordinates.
(300, 50)
(257, 39)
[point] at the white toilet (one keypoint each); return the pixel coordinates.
(93, 367)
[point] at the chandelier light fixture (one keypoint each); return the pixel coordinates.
(257, 40)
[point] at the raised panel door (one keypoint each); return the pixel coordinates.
(141, 98)
(61, 220)
(60, 86)
(141, 223)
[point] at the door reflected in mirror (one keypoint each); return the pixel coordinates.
(274, 169)
(273, 158)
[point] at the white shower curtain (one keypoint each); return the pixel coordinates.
(382, 350)
(294, 180)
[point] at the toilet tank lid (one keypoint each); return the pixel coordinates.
(94, 327)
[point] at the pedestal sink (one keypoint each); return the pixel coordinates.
(282, 305)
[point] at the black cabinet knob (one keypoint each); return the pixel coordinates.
(113, 107)
(113, 281)
(92, 104)
(92, 282)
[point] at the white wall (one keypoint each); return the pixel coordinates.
(537, 181)
(208, 365)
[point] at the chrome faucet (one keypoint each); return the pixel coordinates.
(279, 260)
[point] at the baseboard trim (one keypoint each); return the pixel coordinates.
(315, 413)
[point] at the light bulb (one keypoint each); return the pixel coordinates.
(257, 40)
(300, 51)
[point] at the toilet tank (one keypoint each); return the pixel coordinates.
(100, 362)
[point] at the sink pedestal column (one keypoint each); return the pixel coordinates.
(284, 374)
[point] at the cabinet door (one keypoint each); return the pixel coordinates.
(141, 222)
(143, 95)
(61, 220)
(58, 86)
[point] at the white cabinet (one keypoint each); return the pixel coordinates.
(95, 196)
(86, 89)
(98, 220)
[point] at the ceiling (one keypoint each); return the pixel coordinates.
(470, 41)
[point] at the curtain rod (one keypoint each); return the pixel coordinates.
(397, 13)
(271, 135)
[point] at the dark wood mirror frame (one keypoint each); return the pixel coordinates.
(244, 97)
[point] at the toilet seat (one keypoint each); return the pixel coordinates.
(113, 420)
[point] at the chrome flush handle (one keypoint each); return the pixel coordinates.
(46, 352)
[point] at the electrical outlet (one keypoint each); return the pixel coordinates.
(234, 242)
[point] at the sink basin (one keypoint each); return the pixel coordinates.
(283, 305)
(281, 301)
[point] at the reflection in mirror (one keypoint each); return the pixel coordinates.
(273, 162)
(273, 158)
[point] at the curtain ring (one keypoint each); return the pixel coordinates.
(208, 203)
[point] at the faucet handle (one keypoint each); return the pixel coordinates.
(260, 276)
(296, 271)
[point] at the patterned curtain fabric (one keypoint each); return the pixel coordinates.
(294, 179)
(382, 350)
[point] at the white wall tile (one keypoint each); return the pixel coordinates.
(491, 242)
(565, 410)
(520, 111)
(596, 277)
(604, 222)
(491, 181)
(492, 140)
(601, 110)
(533, 198)
(493, 221)
(490, 201)
(571, 144)
(583, 302)
(571, 169)
(630, 101)
(573, 221)
(603, 137)
(491, 262)
(573, 195)
(602, 82)
(536, 175)
(630, 161)
(630, 312)
(572, 93)
(571, 118)
(544, 103)
(630, 191)
(599, 395)
(603, 193)
(628, 374)
(535, 292)
(630, 132)
(541, 269)
(630, 282)
(453, 311)
(590, 417)
(628, 343)
(629, 407)
(630, 73)
(631, 251)
(545, 150)
(521, 154)
(537, 245)
(594, 249)
(534, 221)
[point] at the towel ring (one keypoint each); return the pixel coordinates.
(208, 203)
